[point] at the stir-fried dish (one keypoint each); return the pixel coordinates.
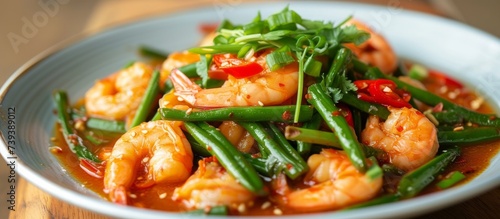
(281, 115)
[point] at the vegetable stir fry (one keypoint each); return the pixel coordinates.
(281, 115)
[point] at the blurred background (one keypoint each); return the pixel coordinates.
(29, 27)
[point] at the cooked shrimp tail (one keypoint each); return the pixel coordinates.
(163, 148)
(407, 135)
(333, 183)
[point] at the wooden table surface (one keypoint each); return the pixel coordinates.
(35, 203)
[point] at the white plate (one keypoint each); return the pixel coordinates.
(464, 52)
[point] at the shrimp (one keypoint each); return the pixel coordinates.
(266, 88)
(179, 59)
(163, 148)
(408, 137)
(176, 60)
(118, 96)
(238, 136)
(211, 185)
(375, 51)
(334, 183)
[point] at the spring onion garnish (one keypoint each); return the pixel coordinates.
(291, 37)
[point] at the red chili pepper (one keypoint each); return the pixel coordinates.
(346, 113)
(382, 91)
(207, 28)
(92, 168)
(236, 67)
(444, 79)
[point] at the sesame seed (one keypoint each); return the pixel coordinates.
(132, 195)
(459, 128)
(163, 195)
(443, 89)
(242, 208)
(80, 125)
(475, 104)
(260, 103)
(265, 205)
(55, 149)
(132, 134)
(277, 211)
(144, 131)
(453, 95)
(145, 159)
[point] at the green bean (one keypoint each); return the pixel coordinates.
(357, 119)
(370, 108)
(468, 136)
(223, 140)
(63, 114)
(451, 117)
(312, 136)
(216, 210)
(432, 100)
(157, 116)
(196, 146)
(304, 148)
(291, 166)
(278, 136)
(413, 182)
(251, 113)
(336, 122)
(152, 53)
(210, 83)
(327, 139)
(101, 124)
(230, 158)
(339, 67)
(390, 168)
(189, 70)
(451, 179)
(147, 101)
(258, 163)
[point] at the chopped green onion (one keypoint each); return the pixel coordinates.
(313, 67)
(418, 72)
(284, 20)
(229, 48)
(278, 59)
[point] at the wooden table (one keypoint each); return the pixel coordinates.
(34, 203)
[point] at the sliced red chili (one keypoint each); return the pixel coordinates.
(382, 91)
(346, 113)
(444, 79)
(91, 168)
(236, 67)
